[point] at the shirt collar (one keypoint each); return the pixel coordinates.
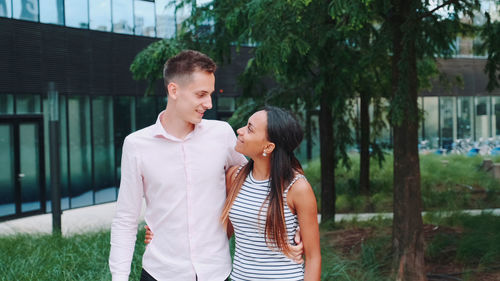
(159, 131)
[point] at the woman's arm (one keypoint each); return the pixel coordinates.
(301, 199)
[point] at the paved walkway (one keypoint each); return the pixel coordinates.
(99, 217)
(73, 221)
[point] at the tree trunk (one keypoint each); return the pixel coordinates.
(407, 231)
(308, 135)
(327, 150)
(364, 161)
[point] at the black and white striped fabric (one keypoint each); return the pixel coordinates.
(253, 259)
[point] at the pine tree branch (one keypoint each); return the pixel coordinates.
(429, 13)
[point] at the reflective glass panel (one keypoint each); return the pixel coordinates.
(76, 13)
(25, 9)
(464, 118)
(146, 114)
(161, 103)
(27, 104)
(144, 18)
(100, 14)
(124, 124)
(447, 121)
(495, 118)
(80, 151)
(52, 11)
(6, 104)
(29, 175)
(104, 161)
(482, 118)
(7, 201)
(431, 121)
(165, 19)
(183, 12)
(5, 9)
(123, 21)
(226, 104)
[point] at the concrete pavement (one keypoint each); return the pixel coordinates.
(99, 217)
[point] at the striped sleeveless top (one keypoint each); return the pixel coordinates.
(253, 260)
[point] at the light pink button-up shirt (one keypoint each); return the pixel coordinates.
(183, 182)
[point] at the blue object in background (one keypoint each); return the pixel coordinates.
(495, 151)
(473, 152)
(440, 151)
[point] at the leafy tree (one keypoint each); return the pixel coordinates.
(491, 36)
(417, 31)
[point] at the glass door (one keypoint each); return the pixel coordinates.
(22, 180)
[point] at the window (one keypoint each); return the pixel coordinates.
(27, 104)
(6, 104)
(145, 109)
(5, 9)
(144, 18)
(100, 15)
(447, 121)
(464, 117)
(165, 19)
(123, 20)
(431, 134)
(495, 118)
(80, 151)
(482, 117)
(25, 9)
(76, 13)
(103, 149)
(52, 11)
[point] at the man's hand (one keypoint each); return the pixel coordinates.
(149, 235)
(297, 252)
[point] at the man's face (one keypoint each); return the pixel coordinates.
(194, 96)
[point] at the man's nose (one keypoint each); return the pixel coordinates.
(207, 104)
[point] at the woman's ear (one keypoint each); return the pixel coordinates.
(269, 148)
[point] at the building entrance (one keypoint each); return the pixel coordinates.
(22, 166)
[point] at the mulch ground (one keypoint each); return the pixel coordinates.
(445, 267)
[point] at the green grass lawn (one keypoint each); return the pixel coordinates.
(85, 257)
(46, 257)
(351, 251)
(451, 182)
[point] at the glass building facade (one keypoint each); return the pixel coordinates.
(160, 18)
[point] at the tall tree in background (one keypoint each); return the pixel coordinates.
(417, 31)
(491, 36)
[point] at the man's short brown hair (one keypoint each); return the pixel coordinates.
(185, 63)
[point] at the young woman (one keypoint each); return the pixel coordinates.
(268, 198)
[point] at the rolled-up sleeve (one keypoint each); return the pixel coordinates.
(129, 204)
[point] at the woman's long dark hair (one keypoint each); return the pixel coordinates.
(285, 132)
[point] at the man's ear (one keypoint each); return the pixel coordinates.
(172, 89)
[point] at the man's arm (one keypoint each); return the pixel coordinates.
(128, 209)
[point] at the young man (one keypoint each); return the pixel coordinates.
(178, 165)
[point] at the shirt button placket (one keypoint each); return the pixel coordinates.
(188, 197)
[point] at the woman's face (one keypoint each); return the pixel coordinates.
(252, 139)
